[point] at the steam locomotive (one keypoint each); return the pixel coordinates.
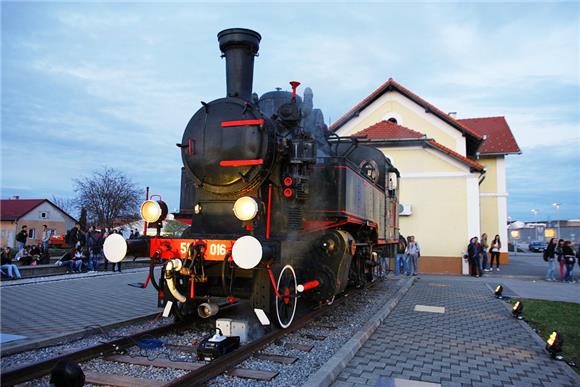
(279, 209)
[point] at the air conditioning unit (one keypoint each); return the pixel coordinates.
(405, 209)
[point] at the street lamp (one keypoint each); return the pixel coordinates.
(535, 212)
(557, 206)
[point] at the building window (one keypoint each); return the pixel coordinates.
(32, 233)
(393, 117)
(44, 215)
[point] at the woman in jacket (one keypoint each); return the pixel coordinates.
(484, 248)
(560, 258)
(474, 255)
(550, 255)
(570, 259)
(494, 250)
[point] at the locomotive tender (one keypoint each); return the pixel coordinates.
(280, 210)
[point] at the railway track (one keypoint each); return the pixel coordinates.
(190, 372)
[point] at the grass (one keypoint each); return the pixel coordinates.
(548, 316)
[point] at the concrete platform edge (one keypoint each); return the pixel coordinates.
(541, 342)
(70, 337)
(330, 370)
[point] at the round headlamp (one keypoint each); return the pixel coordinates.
(245, 208)
(153, 211)
(247, 252)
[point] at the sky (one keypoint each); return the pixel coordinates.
(104, 84)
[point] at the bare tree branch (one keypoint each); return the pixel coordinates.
(108, 195)
(68, 205)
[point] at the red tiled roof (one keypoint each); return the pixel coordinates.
(456, 155)
(13, 209)
(388, 130)
(499, 135)
(393, 85)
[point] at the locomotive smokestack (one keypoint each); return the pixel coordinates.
(239, 46)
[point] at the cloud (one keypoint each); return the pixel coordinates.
(543, 175)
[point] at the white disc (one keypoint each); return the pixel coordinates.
(247, 252)
(115, 248)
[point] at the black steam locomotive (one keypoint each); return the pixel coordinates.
(280, 209)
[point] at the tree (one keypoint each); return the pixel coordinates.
(83, 219)
(108, 195)
(68, 205)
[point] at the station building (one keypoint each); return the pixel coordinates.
(34, 213)
(453, 172)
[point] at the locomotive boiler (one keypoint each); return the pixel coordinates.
(279, 210)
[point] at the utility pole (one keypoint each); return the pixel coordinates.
(557, 206)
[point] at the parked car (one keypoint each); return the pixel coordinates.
(57, 240)
(537, 246)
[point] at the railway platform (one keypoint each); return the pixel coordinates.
(451, 331)
(38, 311)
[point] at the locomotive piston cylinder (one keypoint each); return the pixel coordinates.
(239, 46)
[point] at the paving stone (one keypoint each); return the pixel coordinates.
(60, 307)
(475, 341)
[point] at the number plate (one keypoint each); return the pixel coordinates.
(216, 250)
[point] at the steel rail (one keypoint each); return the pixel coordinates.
(222, 364)
(41, 368)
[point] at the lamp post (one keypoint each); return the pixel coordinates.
(557, 206)
(535, 212)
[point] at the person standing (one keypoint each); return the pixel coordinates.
(494, 249)
(93, 249)
(21, 238)
(550, 257)
(45, 237)
(474, 254)
(560, 258)
(400, 257)
(484, 259)
(413, 252)
(570, 259)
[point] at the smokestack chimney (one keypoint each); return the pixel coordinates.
(239, 46)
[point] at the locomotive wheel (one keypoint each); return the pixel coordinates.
(286, 304)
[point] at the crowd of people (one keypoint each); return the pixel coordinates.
(406, 258)
(564, 253)
(481, 255)
(86, 251)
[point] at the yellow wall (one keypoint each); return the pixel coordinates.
(439, 203)
(410, 119)
(439, 219)
(489, 184)
(489, 216)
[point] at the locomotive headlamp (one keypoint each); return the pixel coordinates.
(153, 210)
(115, 248)
(247, 252)
(197, 209)
(245, 208)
